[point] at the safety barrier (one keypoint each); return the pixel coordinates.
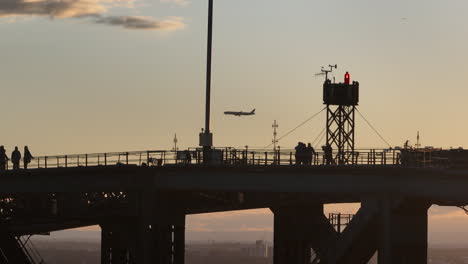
(241, 157)
(219, 156)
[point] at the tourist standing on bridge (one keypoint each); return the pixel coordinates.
(310, 154)
(3, 158)
(328, 154)
(301, 153)
(188, 157)
(16, 158)
(27, 157)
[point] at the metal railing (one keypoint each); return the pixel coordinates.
(141, 158)
(241, 157)
(219, 156)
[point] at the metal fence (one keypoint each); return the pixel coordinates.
(219, 156)
(241, 157)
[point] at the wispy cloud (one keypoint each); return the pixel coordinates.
(140, 22)
(177, 2)
(54, 8)
(93, 10)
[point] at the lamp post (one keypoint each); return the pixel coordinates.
(206, 137)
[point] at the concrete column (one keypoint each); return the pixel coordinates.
(169, 232)
(116, 243)
(404, 233)
(135, 241)
(179, 240)
(105, 246)
(154, 234)
(298, 231)
(163, 245)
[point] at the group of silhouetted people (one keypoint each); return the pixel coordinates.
(15, 158)
(304, 154)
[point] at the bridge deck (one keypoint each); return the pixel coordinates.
(443, 186)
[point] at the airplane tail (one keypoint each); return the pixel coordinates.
(253, 111)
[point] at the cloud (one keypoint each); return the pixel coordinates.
(140, 22)
(177, 2)
(92, 10)
(53, 8)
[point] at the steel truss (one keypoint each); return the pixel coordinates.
(340, 133)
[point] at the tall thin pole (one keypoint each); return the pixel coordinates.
(175, 142)
(275, 141)
(208, 67)
(206, 138)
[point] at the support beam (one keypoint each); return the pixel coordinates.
(359, 240)
(301, 234)
(404, 233)
(12, 250)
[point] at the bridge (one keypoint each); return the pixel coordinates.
(140, 201)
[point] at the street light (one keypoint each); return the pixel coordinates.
(206, 137)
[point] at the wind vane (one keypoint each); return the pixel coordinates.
(326, 72)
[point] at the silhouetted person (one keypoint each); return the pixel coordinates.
(3, 158)
(328, 154)
(304, 154)
(16, 158)
(27, 157)
(297, 153)
(310, 154)
(188, 157)
(301, 153)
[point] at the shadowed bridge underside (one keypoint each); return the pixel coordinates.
(142, 209)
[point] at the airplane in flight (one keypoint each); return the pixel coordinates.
(240, 113)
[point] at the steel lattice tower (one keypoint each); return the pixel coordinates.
(341, 100)
(340, 132)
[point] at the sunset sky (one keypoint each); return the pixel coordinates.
(83, 76)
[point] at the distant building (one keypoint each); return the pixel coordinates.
(260, 250)
(270, 252)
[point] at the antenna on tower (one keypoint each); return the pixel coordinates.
(275, 134)
(275, 139)
(175, 143)
(326, 72)
(418, 144)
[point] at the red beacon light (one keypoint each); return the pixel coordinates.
(347, 78)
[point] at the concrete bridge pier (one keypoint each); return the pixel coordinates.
(169, 239)
(154, 235)
(116, 243)
(403, 233)
(301, 234)
(161, 242)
